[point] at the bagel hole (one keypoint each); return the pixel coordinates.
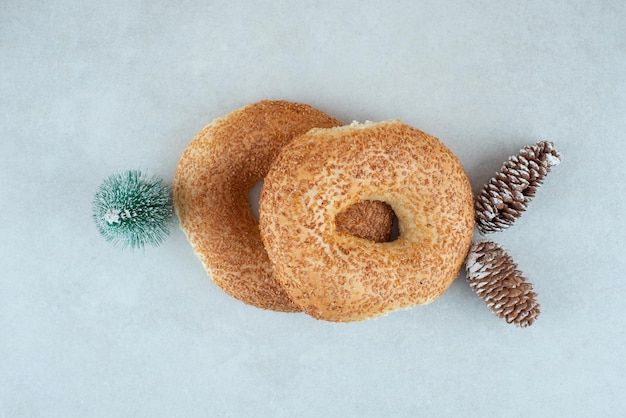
(254, 196)
(395, 228)
(373, 220)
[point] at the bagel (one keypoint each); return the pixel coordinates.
(213, 177)
(336, 276)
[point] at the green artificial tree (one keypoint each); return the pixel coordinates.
(132, 210)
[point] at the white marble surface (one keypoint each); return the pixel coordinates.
(90, 88)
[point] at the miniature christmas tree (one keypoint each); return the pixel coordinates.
(131, 210)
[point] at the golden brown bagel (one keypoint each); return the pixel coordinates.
(211, 186)
(338, 277)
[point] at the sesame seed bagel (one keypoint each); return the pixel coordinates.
(336, 276)
(211, 184)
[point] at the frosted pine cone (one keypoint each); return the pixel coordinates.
(493, 275)
(506, 196)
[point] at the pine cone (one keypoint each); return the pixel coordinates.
(507, 195)
(493, 275)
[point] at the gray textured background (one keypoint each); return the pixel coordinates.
(91, 88)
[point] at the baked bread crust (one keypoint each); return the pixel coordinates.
(339, 277)
(369, 219)
(213, 177)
